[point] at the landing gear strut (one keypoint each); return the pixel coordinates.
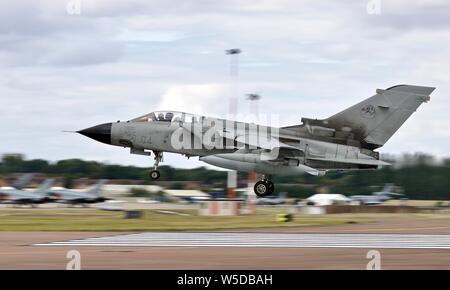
(154, 174)
(264, 187)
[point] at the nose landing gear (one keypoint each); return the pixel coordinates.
(264, 187)
(154, 174)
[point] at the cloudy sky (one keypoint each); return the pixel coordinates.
(64, 68)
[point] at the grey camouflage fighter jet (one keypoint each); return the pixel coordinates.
(280, 199)
(344, 141)
(23, 197)
(68, 196)
(377, 197)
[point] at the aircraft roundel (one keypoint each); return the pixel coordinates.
(368, 111)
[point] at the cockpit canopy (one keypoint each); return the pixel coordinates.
(169, 116)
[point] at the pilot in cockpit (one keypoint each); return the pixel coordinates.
(169, 117)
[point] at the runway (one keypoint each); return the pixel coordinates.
(269, 240)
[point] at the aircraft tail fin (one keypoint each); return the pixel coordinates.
(23, 180)
(95, 190)
(45, 186)
(374, 120)
(388, 187)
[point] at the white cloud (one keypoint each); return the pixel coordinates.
(197, 99)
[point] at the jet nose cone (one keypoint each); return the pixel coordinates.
(101, 133)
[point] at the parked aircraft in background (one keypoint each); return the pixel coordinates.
(377, 197)
(280, 199)
(344, 141)
(18, 196)
(91, 195)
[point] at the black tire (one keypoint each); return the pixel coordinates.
(261, 188)
(154, 174)
(271, 187)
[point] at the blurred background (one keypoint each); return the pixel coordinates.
(420, 177)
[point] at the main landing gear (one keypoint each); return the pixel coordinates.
(154, 174)
(264, 187)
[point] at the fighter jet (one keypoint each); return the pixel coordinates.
(378, 197)
(91, 195)
(344, 141)
(280, 199)
(17, 196)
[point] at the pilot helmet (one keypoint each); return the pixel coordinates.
(169, 116)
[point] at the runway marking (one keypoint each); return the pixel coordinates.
(285, 240)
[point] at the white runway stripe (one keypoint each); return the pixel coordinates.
(162, 239)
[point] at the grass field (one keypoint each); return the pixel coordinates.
(96, 220)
